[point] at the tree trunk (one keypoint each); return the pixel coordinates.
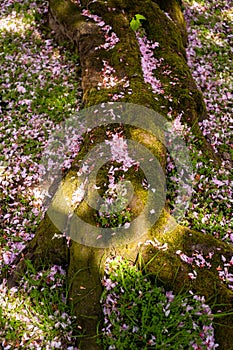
(86, 261)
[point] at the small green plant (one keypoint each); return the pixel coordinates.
(135, 23)
(141, 315)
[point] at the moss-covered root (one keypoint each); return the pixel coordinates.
(180, 276)
(85, 291)
(125, 58)
(173, 8)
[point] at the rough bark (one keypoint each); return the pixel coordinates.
(85, 264)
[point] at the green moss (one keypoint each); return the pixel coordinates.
(66, 12)
(161, 29)
(174, 9)
(85, 290)
(150, 142)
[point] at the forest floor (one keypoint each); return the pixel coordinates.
(38, 89)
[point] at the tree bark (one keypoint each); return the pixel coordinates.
(85, 263)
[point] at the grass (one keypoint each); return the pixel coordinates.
(36, 314)
(209, 57)
(139, 314)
